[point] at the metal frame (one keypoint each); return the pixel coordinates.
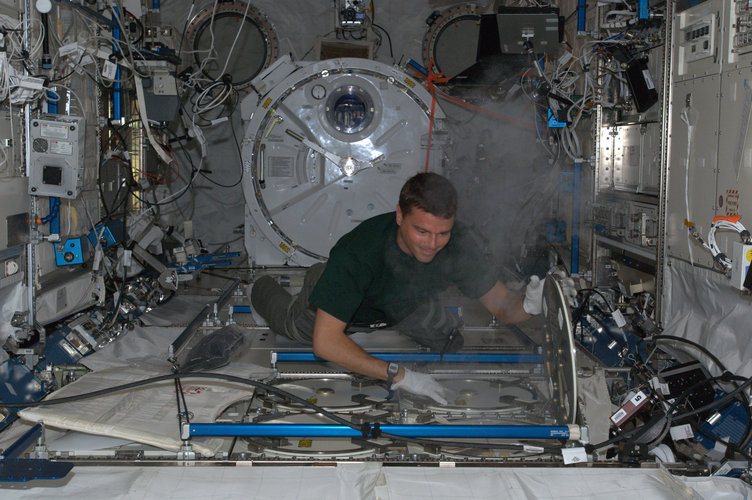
(665, 150)
(402, 430)
(417, 357)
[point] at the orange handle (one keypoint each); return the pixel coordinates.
(733, 218)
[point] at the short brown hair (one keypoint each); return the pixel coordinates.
(430, 192)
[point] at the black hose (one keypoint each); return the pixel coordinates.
(744, 399)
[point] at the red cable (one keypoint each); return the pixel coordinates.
(430, 79)
(437, 78)
(487, 111)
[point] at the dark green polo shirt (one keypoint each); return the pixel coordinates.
(368, 279)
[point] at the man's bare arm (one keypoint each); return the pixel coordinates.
(331, 343)
(504, 304)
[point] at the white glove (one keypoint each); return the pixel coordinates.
(570, 292)
(533, 301)
(422, 384)
(567, 286)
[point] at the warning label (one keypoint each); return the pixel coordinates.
(732, 202)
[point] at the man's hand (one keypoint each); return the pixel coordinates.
(422, 384)
(533, 302)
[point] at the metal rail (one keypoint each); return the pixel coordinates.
(402, 430)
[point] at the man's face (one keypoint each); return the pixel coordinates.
(421, 234)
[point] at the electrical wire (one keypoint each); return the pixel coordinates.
(744, 399)
(690, 133)
(175, 196)
(240, 158)
(389, 39)
(597, 292)
(692, 343)
(668, 414)
(235, 41)
(78, 99)
(737, 448)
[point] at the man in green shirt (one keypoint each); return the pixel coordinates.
(387, 272)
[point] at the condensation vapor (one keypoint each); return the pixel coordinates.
(508, 183)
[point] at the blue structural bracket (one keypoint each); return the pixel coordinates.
(553, 122)
(69, 252)
(24, 442)
(55, 215)
(14, 469)
(581, 16)
(18, 470)
(418, 67)
(117, 112)
(643, 10)
(207, 260)
(189, 268)
(421, 357)
(108, 234)
(402, 430)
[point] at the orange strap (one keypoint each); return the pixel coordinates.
(498, 116)
(430, 80)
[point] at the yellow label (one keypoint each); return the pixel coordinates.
(267, 102)
(312, 400)
(749, 255)
(410, 83)
(284, 248)
(305, 443)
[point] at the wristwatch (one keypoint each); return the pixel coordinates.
(392, 369)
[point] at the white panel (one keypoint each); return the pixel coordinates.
(697, 40)
(698, 184)
(737, 45)
(734, 196)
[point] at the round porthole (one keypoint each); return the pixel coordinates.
(349, 109)
(451, 40)
(232, 38)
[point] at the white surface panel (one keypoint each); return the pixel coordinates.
(734, 195)
(373, 481)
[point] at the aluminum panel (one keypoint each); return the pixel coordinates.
(606, 155)
(692, 190)
(734, 194)
(14, 205)
(636, 166)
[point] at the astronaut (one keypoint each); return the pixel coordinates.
(387, 272)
